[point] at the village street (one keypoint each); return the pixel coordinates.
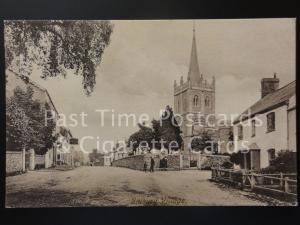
(110, 186)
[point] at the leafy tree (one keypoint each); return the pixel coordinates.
(141, 137)
(237, 158)
(167, 131)
(25, 119)
(63, 132)
(156, 126)
(18, 131)
(55, 46)
(204, 141)
(47, 129)
(285, 162)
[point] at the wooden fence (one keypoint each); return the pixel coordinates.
(281, 183)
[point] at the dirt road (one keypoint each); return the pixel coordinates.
(109, 186)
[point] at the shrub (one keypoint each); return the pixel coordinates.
(269, 169)
(227, 165)
(237, 158)
(285, 162)
(193, 163)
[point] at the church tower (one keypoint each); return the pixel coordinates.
(194, 100)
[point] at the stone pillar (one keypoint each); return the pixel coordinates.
(54, 154)
(31, 159)
(23, 160)
(186, 143)
(185, 159)
(47, 160)
(199, 161)
(180, 161)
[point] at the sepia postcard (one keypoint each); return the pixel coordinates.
(150, 113)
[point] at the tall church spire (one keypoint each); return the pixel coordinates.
(194, 72)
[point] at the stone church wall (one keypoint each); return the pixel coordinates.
(173, 161)
(136, 162)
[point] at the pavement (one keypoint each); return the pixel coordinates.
(111, 186)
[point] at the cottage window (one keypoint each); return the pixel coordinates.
(253, 127)
(270, 122)
(195, 100)
(240, 132)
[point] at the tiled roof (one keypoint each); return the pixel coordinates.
(269, 102)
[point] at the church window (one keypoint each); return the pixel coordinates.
(195, 100)
(207, 103)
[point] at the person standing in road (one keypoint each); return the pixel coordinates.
(145, 166)
(152, 165)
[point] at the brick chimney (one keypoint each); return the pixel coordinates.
(269, 85)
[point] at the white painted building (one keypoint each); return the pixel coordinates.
(268, 126)
(63, 152)
(292, 137)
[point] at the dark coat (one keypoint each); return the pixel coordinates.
(152, 162)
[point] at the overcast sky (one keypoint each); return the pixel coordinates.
(144, 57)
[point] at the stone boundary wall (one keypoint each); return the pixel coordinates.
(21, 161)
(208, 161)
(15, 162)
(136, 162)
(173, 161)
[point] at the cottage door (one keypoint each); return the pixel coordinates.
(255, 159)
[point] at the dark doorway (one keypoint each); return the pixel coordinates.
(255, 159)
(246, 161)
